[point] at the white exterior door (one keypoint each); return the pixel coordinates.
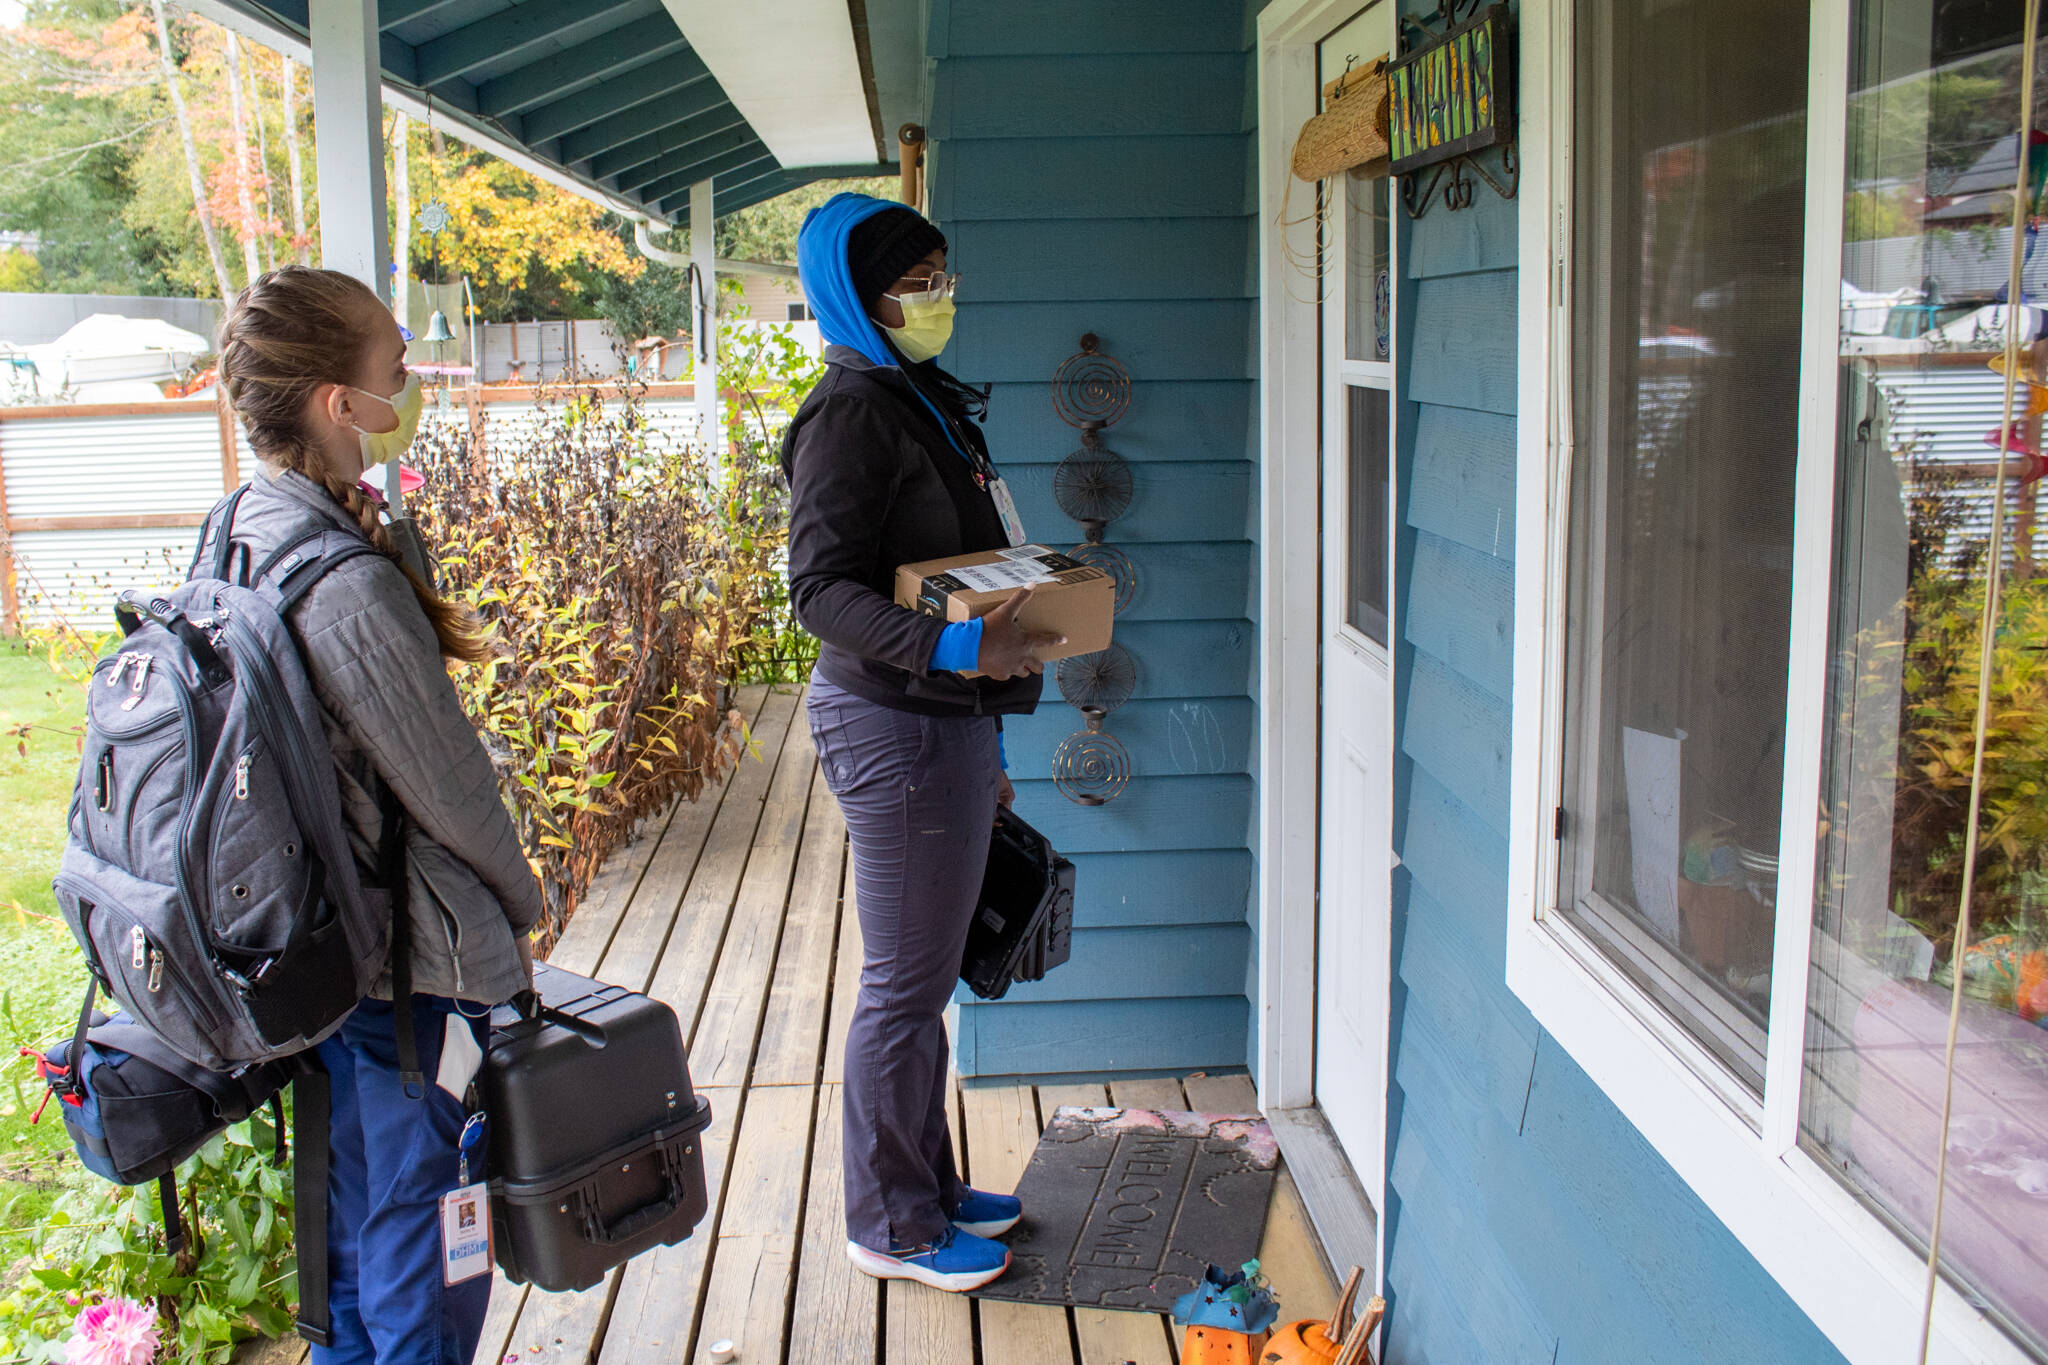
(1354, 922)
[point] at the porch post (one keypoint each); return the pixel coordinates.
(348, 145)
(704, 311)
(348, 141)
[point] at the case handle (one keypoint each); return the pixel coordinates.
(529, 1006)
(630, 1225)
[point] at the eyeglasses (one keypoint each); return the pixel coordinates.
(926, 288)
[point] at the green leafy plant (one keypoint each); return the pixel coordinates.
(772, 375)
(238, 1280)
(605, 557)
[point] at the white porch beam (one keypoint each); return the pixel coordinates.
(797, 80)
(348, 140)
(704, 312)
(348, 144)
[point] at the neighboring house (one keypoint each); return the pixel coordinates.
(1510, 603)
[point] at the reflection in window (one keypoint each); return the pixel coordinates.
(1688, 232)
(1933, 157)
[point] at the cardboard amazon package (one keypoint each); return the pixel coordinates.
(1068, 598)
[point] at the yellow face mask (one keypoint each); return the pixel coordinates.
(927, 327)
(407, 403)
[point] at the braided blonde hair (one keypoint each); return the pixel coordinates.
(290, 331)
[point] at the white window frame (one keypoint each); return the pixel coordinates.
(1860, 1282)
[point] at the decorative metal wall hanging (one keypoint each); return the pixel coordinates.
(1094, 486)
(1092, 767)
(1451, 102)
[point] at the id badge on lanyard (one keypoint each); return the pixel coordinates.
(1006, 508)
(466, 1217)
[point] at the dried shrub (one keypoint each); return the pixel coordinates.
(615, 567)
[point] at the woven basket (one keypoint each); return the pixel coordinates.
(1352, 131)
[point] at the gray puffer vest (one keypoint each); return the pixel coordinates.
(391, 712)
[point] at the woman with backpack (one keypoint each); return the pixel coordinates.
(314, 366)
(886, 468)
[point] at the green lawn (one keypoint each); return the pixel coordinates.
(41, 973)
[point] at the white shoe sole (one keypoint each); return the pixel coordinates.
(995, 1228)
(889, 1268)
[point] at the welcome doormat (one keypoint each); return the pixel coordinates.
(1125, 1208)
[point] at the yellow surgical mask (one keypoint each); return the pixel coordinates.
(382, 446)
(927, 327)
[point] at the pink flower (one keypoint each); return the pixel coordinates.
(117, 1332)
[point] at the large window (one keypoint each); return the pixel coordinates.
(1933, 130)
(1760, 462)
(1688, 227)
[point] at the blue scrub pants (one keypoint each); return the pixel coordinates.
(393, 1159)
(919, 796)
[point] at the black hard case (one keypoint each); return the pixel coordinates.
(596, 1150)
(1024, 921)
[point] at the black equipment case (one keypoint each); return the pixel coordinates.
(596, 1144)
(1023, 924)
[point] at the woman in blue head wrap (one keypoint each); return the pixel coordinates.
(887, 466)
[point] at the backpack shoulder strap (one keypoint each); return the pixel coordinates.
(303, 560)
(218, 538)
(312, 1104)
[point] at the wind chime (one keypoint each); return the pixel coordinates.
(1093, 485)
(433, 219)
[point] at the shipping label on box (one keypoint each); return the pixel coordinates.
(1068, 598)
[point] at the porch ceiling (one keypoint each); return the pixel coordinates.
(611, 98)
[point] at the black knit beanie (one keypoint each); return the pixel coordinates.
(881, 247)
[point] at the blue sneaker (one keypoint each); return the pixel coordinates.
(955, 1262)
(987, 1215)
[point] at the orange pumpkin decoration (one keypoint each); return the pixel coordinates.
(1301, 1343)
(1217, 1346)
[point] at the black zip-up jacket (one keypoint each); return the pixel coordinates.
(874, 484)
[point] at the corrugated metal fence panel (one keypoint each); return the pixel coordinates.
(111, 466)
(74, 575)
(1941, 416)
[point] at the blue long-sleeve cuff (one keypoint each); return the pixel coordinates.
(958, 649)
(1002, 752)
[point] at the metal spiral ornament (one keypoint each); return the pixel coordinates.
(1091, 767)
(1104, 679)
(1093, 486)
(1091, 390)
(1113, 562)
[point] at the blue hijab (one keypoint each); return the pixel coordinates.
(828, 284)
(828, 288)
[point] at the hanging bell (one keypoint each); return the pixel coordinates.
(438, 329)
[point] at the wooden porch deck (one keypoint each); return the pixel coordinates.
(738, 911)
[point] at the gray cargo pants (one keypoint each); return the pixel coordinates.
(919, 795)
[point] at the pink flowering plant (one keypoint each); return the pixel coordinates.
(92, 1283)
(117, 1332)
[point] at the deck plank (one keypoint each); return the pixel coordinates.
(603, 907)
(705, 839)
(922, 1325)
(837, 1309)
(793, 1031)
(1289, 1255)
(753, 1264)
(729, 1019)
(507, 1300)
(655, 1312)
(1107, 1334)
(684, 971)
(1002, 1131)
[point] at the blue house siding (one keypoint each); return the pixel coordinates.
(1091, 166)
(1527, 1221)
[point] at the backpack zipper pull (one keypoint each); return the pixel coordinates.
(138, 949)
(104, 797)
(120, 664)
(141, 676)
(156, 970)
(242, 778)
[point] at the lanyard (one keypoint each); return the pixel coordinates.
(984, 469)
